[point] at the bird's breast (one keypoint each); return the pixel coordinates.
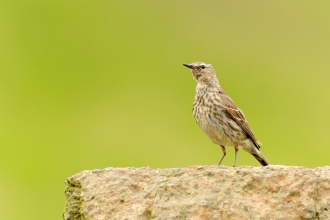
(211, 117)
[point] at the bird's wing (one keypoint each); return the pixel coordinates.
(237, 115)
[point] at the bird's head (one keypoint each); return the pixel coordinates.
(203, 73)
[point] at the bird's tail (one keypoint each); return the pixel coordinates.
(260, 158)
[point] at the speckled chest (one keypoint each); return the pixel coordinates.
(210, 115)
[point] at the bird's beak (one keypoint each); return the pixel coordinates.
(188, 65)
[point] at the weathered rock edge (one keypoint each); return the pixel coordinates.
(199, 192)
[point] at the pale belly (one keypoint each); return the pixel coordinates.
(220, 129)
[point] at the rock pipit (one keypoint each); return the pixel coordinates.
(219, 117)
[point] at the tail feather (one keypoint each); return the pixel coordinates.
(261, 159)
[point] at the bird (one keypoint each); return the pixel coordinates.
(219, 117)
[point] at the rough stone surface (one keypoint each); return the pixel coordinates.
(199, 192)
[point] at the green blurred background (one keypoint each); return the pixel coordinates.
(93, 84)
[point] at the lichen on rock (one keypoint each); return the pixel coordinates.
(199, 192)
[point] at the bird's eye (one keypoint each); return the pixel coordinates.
(203, 66)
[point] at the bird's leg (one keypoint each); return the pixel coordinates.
(236, 151)
(223, 155)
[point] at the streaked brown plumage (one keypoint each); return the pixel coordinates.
(219, 117)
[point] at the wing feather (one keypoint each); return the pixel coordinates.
(237, 115)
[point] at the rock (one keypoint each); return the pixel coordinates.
(199, 192)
